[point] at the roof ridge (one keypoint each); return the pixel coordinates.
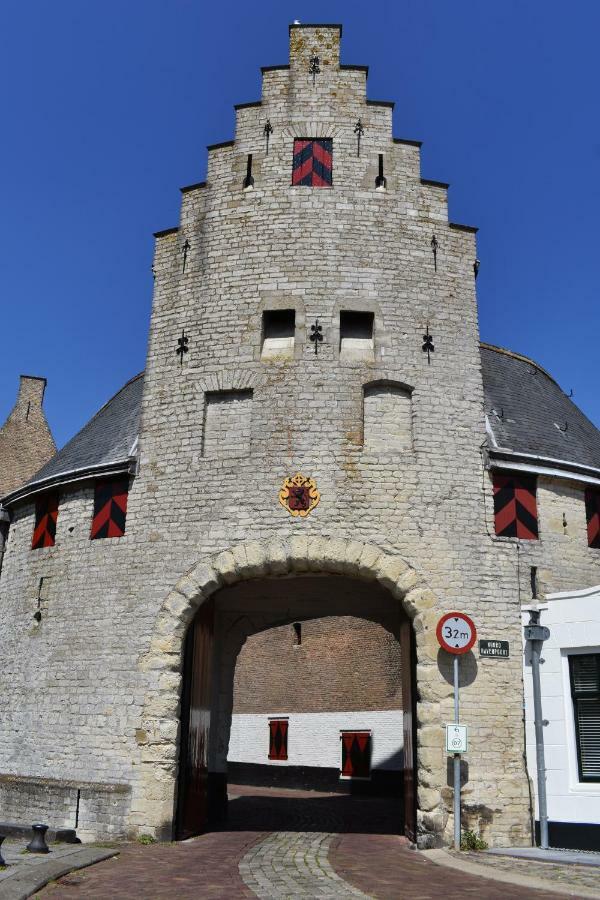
(520, 356)
(95, 416)
(104, 405)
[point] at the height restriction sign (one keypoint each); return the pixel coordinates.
(456, 632)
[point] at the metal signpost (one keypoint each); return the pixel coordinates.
(456, 634)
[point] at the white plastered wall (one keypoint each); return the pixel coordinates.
(314, 738)
(574, 622)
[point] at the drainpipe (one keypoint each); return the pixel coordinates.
(4, 526)
(536, 634)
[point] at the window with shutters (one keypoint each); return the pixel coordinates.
(110, 509)
(592, 515)
(46, 515)
(515, 506)
(584, 669)
(278, 738)
(313, 162)
(356, 754)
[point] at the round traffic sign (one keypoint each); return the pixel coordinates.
(456, 632)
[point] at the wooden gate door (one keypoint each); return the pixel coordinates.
(409, 720)
(192, 801)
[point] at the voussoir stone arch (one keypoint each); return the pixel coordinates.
(154, 794)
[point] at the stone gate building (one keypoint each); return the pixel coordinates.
(315, 316)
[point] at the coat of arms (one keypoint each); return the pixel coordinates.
(299, 495)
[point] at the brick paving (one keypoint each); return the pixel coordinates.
(323, 846)
(206, 867)
(386, 869)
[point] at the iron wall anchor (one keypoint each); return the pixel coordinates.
(182, 346)
(38, 843)
(359, 130)
(428, 346)
(185, 251)
(314, 67)
(268, 131)
(316, 335)
(434, 250)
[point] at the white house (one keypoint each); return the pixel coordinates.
(570, 682)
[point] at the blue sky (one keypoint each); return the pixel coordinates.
(107, 108)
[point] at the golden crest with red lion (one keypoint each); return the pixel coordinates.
(299, 495)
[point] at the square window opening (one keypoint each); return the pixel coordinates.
(278, 333)
(356, 335)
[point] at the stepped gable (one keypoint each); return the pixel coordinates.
(528, 413)
(105, 444)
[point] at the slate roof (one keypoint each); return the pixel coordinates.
(533, 416)
(523, 404)
(105, 442)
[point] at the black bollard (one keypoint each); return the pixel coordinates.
(38, 843)
(2, 839)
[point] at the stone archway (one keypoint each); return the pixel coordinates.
(153, 798)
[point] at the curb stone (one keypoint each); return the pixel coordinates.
(442, 858)
(26, 882)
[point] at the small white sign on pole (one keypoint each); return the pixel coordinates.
(457, 739)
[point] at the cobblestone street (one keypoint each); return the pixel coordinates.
(334, 846)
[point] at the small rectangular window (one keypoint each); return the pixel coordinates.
(592, 515)
(356, 335)
(356, 754)
(46, 515)
(278, 738)
(110, 509)
(278, 333)
(515, 506)
(584, 670)
(313, 162)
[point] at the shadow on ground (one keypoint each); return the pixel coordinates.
(257, 810)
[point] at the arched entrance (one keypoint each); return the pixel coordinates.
(155, 792)
(352, 610)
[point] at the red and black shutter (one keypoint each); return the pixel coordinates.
(515, 506)
(313, 162)
(46, 514)
(592, 514)
(110, 509)
(278, 735)
(356, 754)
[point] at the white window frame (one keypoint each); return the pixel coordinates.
(575, 785)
